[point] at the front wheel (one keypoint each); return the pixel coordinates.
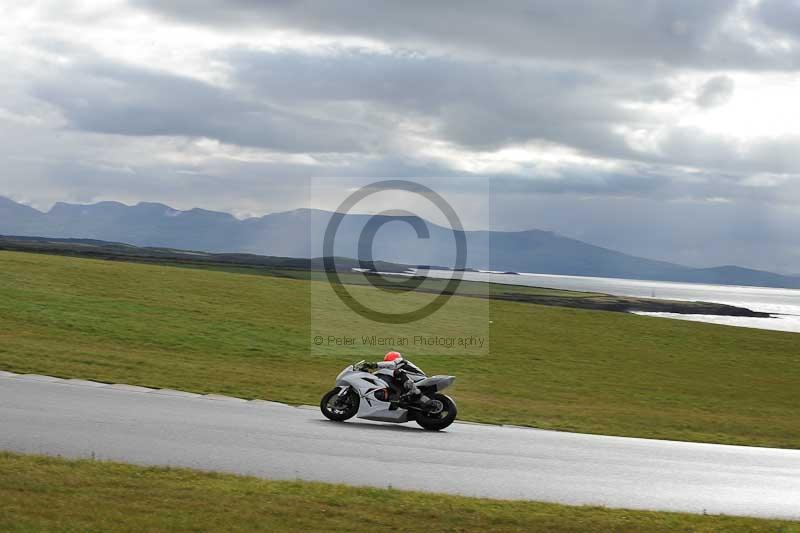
(339, 408)
(440, 419)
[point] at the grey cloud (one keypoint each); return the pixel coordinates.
(473, 103)
(576, 180)
(669, 31)
(781, 15)
(367, 101)
(657, 91)
(483, 105)
(715, 92)
(694, 147)
(116, 99)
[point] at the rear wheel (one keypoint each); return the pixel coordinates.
(439, 419)
(339, 408)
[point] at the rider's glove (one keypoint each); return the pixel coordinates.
(369, 366)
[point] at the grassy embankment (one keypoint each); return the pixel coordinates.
(48, 494)
(549, 367)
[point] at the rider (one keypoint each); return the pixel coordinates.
(402, 367)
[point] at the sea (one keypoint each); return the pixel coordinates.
(782, 304)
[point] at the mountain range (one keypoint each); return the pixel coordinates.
(299, 234)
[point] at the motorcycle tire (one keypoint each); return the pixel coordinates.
(442, 419)
(339, 414)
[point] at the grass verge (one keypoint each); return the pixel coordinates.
(51, 494)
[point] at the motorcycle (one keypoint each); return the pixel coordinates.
(377, 397)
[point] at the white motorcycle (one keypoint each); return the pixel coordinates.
(378, 397)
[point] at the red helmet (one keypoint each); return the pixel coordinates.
(391, 356)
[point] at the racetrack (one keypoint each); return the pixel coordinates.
(74, 418)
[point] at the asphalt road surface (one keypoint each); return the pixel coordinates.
(83, 419)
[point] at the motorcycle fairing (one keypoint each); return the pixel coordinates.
(371, 408)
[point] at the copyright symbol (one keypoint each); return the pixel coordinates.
(365, 249)
(318, 340)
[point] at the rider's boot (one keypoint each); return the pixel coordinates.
(415, 396)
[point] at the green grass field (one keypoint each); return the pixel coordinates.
(49, 494)
(549, 367)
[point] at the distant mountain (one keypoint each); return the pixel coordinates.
(299, 234)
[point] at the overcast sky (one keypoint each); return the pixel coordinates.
(669, 129)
